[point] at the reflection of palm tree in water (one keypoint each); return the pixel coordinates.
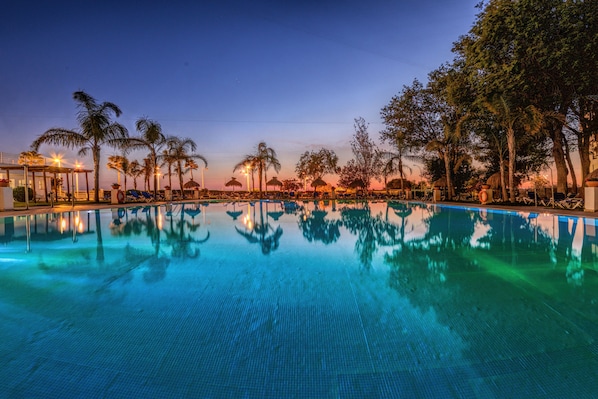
(262, 232)
(183, 244)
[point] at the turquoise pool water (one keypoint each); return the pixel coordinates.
(304, 300)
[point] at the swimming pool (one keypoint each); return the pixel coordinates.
(298, 300)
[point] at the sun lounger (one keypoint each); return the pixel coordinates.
(147, 196)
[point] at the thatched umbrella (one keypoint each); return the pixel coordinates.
(357, 183)
(274, 182)
(396, 184)
(318, 183)
(494, 181)
(440, 182)
(593, 175)
(233, 182)
(191, 184)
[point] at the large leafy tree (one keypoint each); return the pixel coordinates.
(261, 159)
(367, 162)
(315, 164)
(96, 130)
(432, 119)
(543, 53)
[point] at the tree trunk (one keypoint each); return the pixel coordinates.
(512, 155)
(559, 157)
(503, 181)
(449, 175)
(96, 176)
(570, 165)
(583, 143)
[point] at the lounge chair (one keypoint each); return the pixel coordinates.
(147, 196)
(133, 196)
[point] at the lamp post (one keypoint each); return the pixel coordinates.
(57, 159)
(77, 170)
(247, 174)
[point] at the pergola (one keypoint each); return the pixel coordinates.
(45, 170)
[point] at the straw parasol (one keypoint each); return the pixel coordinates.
(357, 183)
(494, 181)
(318, 183)
(593, 175)
(274, 182)
(233, 182)
(440, 182)
(191, 184)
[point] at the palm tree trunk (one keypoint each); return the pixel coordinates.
(180, 173)
(96, 175)
(503, 181)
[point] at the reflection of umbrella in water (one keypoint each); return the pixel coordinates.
(191, 184)
(275, 214)
(192, 212)
(400, 209)
(318, 183)
(234, 213)
(233, 182)
(274, 182)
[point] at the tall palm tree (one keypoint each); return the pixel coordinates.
(135, 171)
(151, 138)
(509, 117)
(180, 150)
(191, 165)
(148, 172)
(120, 164)
(96, 130)
(168, 160)
(264, 157)
(393, 163)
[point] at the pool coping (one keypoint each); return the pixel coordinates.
(59, 208)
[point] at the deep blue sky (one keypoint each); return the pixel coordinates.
(228, 74)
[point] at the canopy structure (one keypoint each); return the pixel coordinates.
(233, 182)
(357, 183)
(274, 182)
(191, 184)
(318, 183)
(25, 171)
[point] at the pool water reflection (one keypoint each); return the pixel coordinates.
(303, 299)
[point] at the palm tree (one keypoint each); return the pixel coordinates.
(509, 117)
(148, 171)
(120, 164)
(151, 138)
(168, 160)
(263, 158)
(191, 165)
(96, 130)
(135, 171)
(181, 150)
(30, 158)
(393, 163)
